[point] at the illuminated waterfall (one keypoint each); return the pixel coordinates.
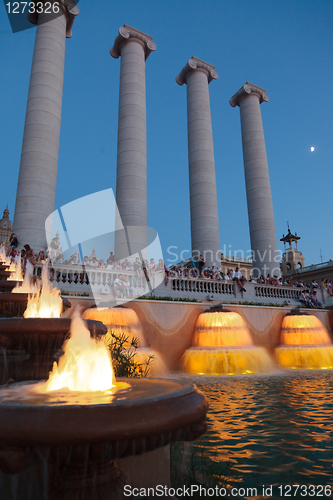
(305, 343)
(222, 345)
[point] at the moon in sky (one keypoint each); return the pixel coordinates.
(312, 149)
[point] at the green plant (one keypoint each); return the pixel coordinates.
(123, 354)
(84, 294)
(167, 298)
(246, 303)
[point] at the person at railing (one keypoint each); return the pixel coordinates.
(55, 248)
(166, 275)
(41, 257)
(118, 286)
(160, 268)
(138, 271)
(101, 264)
(238, 278)
(145, 269)
(29, 255)
(93, 262)
(59, 259)
(201, 264)
(124, 264)
(314, 284)
(13, 244)
(315, 302)
(194, 272)
(152, 267)
(305, 299)
(227, 277)
(194, 262)
(129, 267)
(329, 287)
(129, 291)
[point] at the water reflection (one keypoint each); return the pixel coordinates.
(274, 430)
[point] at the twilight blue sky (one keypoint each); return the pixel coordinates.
(285, 47)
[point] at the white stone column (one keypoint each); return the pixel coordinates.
(258, 188)
(134, 47)
(205, 235)
(37, 181)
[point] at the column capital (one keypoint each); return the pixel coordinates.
(126, 33)
(248, 88)
(68, 7)
(197, 64)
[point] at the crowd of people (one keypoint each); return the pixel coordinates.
(196, 268)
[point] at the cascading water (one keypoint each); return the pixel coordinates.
(223, 346)
(122, 320)
(305, 343)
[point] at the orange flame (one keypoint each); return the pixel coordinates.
(85, 365)
(47, 303)
(2, 254)
(16, 269)
(27, 286)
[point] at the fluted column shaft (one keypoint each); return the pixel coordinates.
(258, 189)
(202, 180)
(37, 181)
(36, 187)
(131, 190)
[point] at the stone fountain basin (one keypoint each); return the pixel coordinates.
(38, 334)
(4, 274)
(149, 414)
(6, 286)
(15, 304)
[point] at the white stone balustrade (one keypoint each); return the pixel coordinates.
(99, 282)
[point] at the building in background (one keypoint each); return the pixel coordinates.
(6, 228)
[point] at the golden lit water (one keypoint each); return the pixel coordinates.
(222, 345)
(274, 430)
(118, 320)
(227, 361)
(123, 320)
(305, 343)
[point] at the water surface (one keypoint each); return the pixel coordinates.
(275, 430)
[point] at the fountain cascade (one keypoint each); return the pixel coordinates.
(222, 345)
(123, 320)
(305, 343)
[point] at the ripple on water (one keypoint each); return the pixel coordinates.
(276, 429)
